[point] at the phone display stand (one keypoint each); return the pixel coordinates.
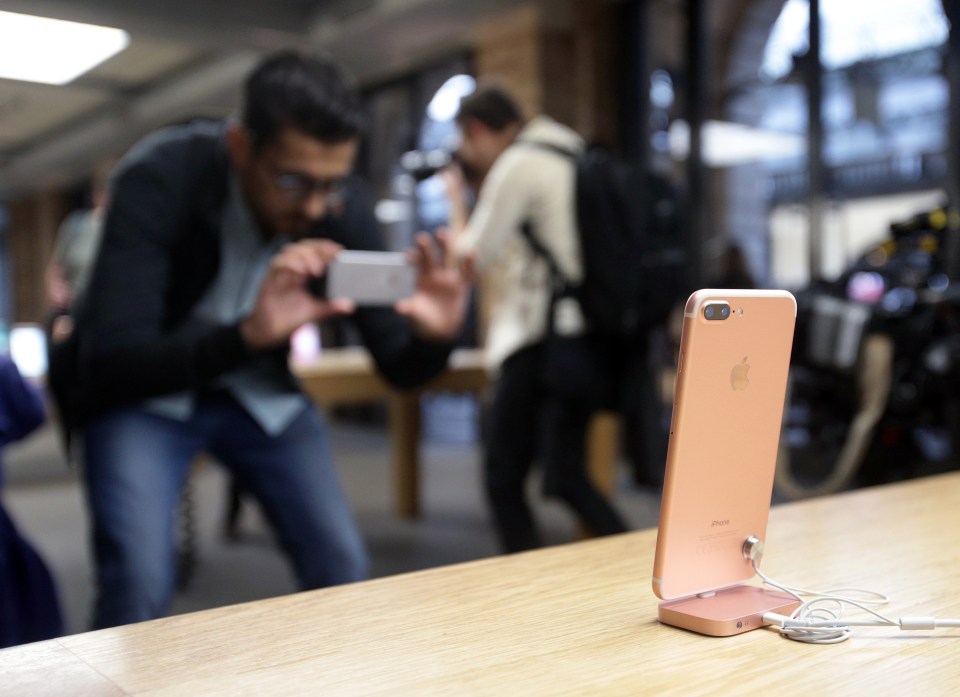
(725, 612)
(721, 460)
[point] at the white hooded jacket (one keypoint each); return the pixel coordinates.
(526, 183)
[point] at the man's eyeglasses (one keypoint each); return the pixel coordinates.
(297, 188)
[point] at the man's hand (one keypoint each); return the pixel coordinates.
(439, 304)
(284, 304)
(59, 292)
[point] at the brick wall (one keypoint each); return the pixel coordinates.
(507, 51)
(557, 58)
(30, 238)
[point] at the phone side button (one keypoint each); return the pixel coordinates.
(680, 363)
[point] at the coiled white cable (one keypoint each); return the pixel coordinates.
(821, 620)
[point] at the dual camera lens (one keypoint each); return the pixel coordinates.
(716, 311)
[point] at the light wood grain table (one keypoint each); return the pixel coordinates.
(575, 620)
(348, 376)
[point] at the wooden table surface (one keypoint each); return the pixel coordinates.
(348, 376)
(573, 620)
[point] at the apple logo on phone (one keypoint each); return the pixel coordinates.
(738, 376)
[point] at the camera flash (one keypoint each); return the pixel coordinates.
(740, 311)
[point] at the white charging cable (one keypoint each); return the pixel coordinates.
(821, 620)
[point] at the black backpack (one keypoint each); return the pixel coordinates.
(630, 231)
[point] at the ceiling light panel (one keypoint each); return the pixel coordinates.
(53, 51)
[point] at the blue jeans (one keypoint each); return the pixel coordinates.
(136, 465)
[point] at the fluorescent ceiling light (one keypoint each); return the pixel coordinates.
(52, 51)
(729, 144)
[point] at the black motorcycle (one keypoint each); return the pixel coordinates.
(874, 391)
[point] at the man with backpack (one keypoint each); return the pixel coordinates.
(524, 237)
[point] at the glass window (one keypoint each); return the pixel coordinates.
(885, 131)
(413, 114)
(438, 138)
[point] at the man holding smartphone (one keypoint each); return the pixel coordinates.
(213, 233)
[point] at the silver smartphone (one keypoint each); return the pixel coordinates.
(370, 278)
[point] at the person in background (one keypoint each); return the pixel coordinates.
(212, 234)
(78, 240)
(29, 606)
(734, 271)
(525, 182)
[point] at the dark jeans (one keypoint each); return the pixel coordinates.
(136, 465)
(524, 420)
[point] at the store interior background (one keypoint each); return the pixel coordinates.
(719, 96)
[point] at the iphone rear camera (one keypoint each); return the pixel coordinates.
(716, 311)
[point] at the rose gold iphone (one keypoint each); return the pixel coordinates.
(727, 412)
